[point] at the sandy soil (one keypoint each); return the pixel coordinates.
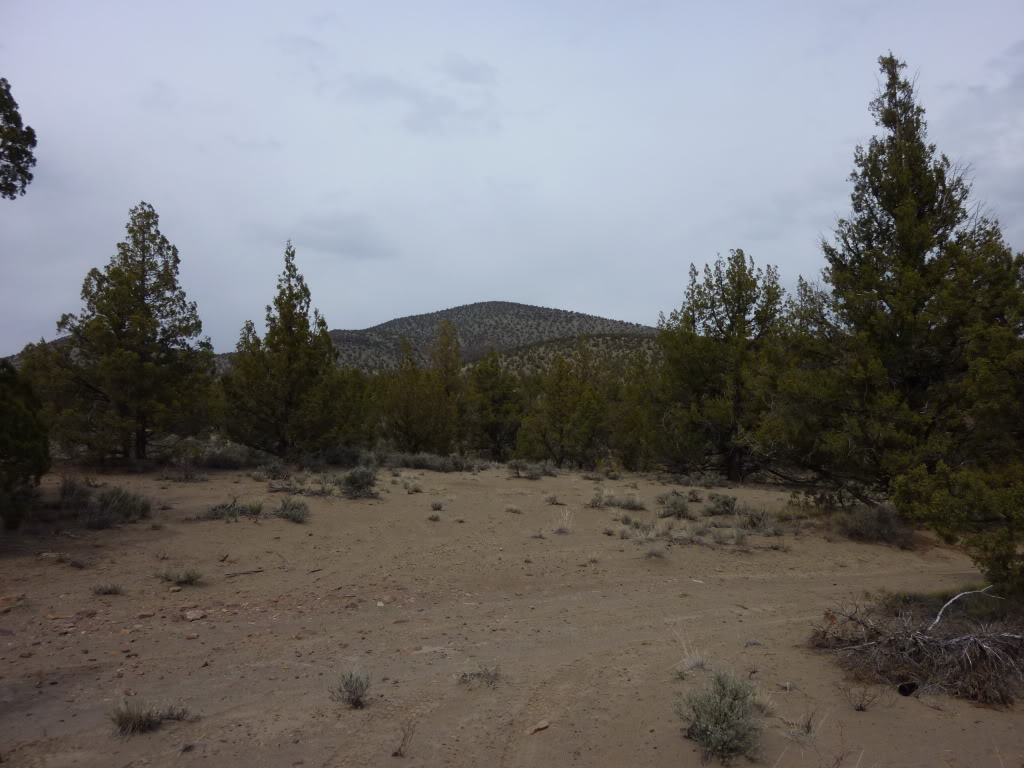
(586, 630)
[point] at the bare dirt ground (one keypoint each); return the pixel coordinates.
(587, 631)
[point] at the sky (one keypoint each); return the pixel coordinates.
(423, 155)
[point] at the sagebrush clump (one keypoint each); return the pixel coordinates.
(723, 718)
(359, 483)
(352, 690)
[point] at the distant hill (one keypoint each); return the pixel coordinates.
(526, 337)
(505, 325)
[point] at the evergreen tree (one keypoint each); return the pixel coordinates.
(405, 417)
(132, 365)
(712, 347)
(278, 393)
(24, 445)
(447, 400)
(17, 142)
(495, 407)
(567, 421)
(913, 384)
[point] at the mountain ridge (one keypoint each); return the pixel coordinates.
(503, 325)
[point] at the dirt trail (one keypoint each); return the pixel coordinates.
(586, 630)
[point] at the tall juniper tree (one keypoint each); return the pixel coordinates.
(712, 347)
(277, 393)
(921, 388)
(131, 364)
(17, 145)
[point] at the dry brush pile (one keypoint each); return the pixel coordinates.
(976, 659)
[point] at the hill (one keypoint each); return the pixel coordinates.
(505, 325)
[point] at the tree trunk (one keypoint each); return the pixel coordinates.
(734, 464)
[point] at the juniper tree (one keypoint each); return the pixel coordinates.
(131, 364)
(17, 142)
(24, 444)
(712, 347)
(277, 395)
(916, 382)
(495, 406)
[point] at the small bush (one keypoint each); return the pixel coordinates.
(655, 553)
(359, 483)
(513, 509)
(630, 502)
(187, 578)
(75, 495)
(488, 676)
(183, 471)
(694, 496)
(608, 531)
(562, 523)
(411, 488)
(351, 690)
(553, 501)
(107, 589)
(722, 718)
(877, 525)
(116, 505)
(432, 462)
(675, 506)
(292, 510)
(275, 470)
(434, 517)
(720, 504)
(437, 506)
(597, 501)
(130, 718)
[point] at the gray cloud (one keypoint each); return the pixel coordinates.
(471, 71)
(345, 236)
(423, 110)
(421, 156)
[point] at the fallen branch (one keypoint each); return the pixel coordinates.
(243, 573)
(957, 597)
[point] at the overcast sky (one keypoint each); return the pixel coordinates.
(422, 155)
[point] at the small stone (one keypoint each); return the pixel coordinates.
(541, 726)
(145, 615)
(192, 636)
(194, 615)
(175, 589)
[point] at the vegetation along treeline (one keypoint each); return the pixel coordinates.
(898, 379)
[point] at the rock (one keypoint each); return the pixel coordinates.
(145, 615)
(192, 636)
(187, 606)
(194, 615)
(175, 589)
(541, 726)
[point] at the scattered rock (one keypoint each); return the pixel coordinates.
(541, 726)
(194, 615)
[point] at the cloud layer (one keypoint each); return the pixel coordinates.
(421, 156)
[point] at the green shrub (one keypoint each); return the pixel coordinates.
(359, 483)
(879, 524)
(107, 589)
(722, 718)
(432, 462)
(74, 495)
(116, 505)
(674, 505)
(351, 690)
(630, 502)
(130, 718)
(187, 578)
(293, 510)
(720, 504)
